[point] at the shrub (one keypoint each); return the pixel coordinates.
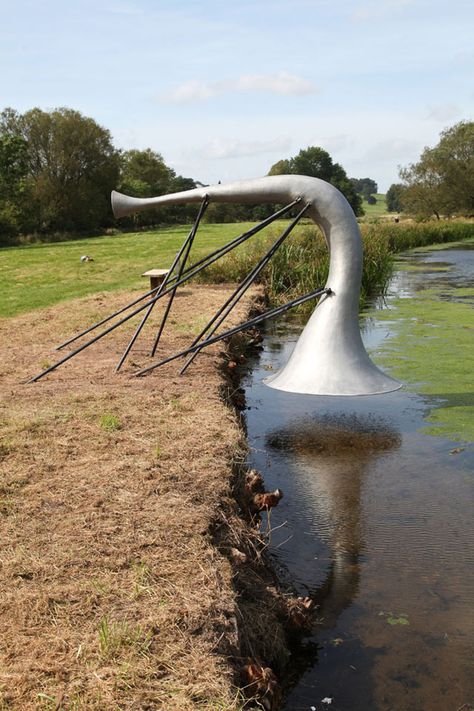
(301, 264)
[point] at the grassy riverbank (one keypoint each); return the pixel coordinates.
(131, 576)
(39, 275)
(132, 579)
(302, 262)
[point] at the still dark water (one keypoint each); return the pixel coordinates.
(377, 526)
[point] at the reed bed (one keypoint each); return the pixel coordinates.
(409, 235)
(302, 262)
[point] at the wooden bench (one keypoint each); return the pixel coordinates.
(157, 276)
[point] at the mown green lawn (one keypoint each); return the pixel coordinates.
(38, 275)
(377, 210)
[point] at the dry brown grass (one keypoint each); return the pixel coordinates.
(114, 594)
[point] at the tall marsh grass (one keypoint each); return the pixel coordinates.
(408, 235)
(302, 262)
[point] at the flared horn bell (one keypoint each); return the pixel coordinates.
(123, 205)
(329, 357)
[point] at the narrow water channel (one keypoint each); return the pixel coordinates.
(375, 525)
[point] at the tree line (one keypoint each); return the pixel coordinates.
(441, 183)
(57, 169)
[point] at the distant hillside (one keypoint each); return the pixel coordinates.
(377, 210)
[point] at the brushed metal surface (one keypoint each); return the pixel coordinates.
(329, 357)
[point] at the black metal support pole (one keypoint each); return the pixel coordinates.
(244, 285)
(221, 251)
(139, 328)
(115, 325)
(185, 255)
(244, 326)
(107, 318)
(188, 273)
(185, 246)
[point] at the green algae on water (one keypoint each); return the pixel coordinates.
(431, 351)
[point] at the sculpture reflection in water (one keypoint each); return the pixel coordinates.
(327, 462)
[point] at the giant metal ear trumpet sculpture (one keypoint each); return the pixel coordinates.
(329, 357)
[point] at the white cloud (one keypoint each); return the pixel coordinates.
(282, 83)
(223, 148)
(333, 144)
(391, 150)
(123, 8)
(193, 90)
(443, 112)
(378, 8)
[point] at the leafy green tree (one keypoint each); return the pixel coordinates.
(317, 163)
(71, 167)
(442, 182)
(13, 185)
(281, 167)
(187, 212)
(145, 174)
(13, 161)
(365, 187)
(220, 212)
(394, 196)
(181, 184)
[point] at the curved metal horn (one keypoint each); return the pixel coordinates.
(329, 357)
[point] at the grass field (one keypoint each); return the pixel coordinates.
(39, 275)
(377, 210)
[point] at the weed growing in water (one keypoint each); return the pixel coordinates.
(300, 265)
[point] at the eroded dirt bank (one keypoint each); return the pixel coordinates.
(128, 577)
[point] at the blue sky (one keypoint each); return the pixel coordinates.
(225, 89)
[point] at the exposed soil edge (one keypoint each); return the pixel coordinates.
(271, 619)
